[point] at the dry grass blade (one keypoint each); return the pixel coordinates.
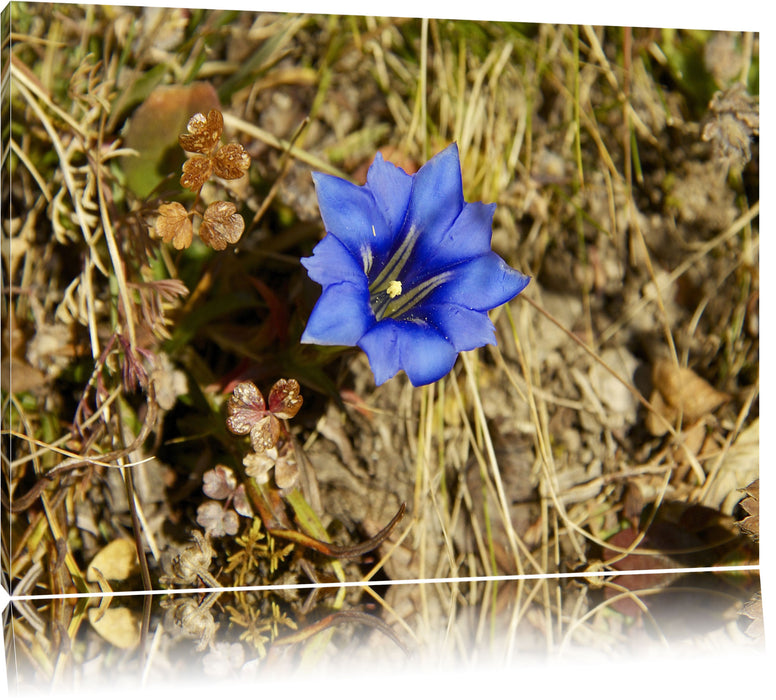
(282, 145)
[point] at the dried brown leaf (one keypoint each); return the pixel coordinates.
(245, 407)
(204, 133)
(286, 472)
(751, 504)
(241, 503)
(173, 225)
(221, 225)
(25, 377)
(219, 483)
(656, 426)
(265, 433)
(217, 520)
(680, 390)
(284, 399)
(196, 171)
(258, 464)
(691, 441)
(231, 161)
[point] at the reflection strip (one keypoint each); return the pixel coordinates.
(378, 584)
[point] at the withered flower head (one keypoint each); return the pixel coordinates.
(191, 619)
(732, 126)
(191, 563)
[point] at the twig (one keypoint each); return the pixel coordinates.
(338, 551)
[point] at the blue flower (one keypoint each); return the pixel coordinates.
(407, 270)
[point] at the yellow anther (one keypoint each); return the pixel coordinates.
(394, 289)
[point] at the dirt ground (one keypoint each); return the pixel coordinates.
(618, 411)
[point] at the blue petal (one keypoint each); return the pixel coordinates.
(391, 188)
(468, 237)
(341, 315)
(331, 262)
(464, 328)
(480, 284)
(437, 195)
(419, 350)
(351, 213)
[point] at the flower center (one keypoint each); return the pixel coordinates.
(397, 307)
(387, 296)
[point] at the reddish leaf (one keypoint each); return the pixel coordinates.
(219, 483)
(278, 309)
(265, 433)
(284, 398)
(244, 408)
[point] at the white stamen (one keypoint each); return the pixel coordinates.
(367, 258)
